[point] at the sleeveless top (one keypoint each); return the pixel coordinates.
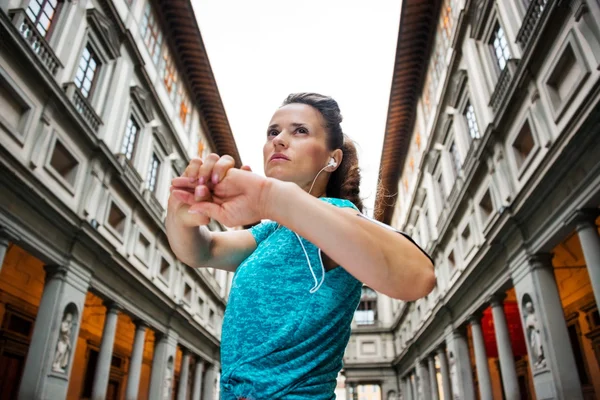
(284, 336)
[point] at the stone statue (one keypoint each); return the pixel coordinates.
(534, 337)
(63, 346)
(167, 380)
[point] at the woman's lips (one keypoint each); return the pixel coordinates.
(279, 157)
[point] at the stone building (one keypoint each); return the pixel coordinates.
(491, 162)
(102, 103)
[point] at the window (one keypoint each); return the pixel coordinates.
(456, 161)
(153, 172)
(116, 219)
(43, 13)
(187, 293)
(486, 206)
(500, 46)
(366, 314)
(151, 33)
(169, 74)
(87, 71)
(64, 163)
(451, 262)
(523, 144)
(131, 134)
(165, 270)
(471, 121)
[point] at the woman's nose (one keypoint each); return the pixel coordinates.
(280, 140)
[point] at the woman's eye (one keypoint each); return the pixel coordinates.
(302, 130)
(272, 132)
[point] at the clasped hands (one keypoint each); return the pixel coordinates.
(214, 188)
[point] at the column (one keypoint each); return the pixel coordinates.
(446, 390)
(183, 377)
(4, 242)
(135, 365)
(459, 361)
(106, 349)
(163, 365)
(424, 393)
(413, 387)
(408, 387)
(590, 244)
(433, 378)
(198, 371)
(209, 382)
(481, 360)
(550, 354)
(505, 354)
(50, 355)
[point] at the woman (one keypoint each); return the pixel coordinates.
(298, 275)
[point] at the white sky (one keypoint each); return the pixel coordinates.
(262, 50)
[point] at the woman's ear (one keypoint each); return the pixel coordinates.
(338, 156)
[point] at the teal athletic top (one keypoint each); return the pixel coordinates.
(283, 335)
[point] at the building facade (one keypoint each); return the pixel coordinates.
(102, 103)
(491, 160)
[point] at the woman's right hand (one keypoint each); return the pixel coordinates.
(195, 185)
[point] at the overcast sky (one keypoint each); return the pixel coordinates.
(262, 50)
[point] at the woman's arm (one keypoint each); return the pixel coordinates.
(380, 258)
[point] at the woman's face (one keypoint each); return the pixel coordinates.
(296, 148)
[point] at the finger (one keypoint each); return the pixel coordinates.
(246, 168)
(206, 169)
(184, 182)
(183, 196)
(191, 171)
(202, 193)
(221, 167)
(185, 189)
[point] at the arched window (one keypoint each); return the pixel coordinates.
(366, 314)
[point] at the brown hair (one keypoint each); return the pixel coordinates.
(344, 182)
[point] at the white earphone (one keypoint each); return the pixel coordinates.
(331, 163)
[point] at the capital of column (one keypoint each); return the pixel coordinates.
(459, 331)
(541, 261)
(112, 307)
(583, 218)
(140, 324)
(497, 299)
(475, 318)
(55, 271)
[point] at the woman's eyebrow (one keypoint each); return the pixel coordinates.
(273, 126)
(299, 124)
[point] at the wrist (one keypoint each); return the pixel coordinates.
(276, 192)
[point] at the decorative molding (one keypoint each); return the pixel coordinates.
(142, 98)
(162, 139)
(107, 33)
(458, 83)
(478, 16)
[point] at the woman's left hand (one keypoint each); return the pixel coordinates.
(238, 199)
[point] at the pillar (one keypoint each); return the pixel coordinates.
(198, 371)
(433, 378)
(481, 360)
(163, 365)
(406, 394)
(446, 390)
(102, 372)
(413, 386)
(459, 362)
(550, 354)
(183, 377)
(135, 365)
(423, 389)
(590, 244)
(505, 354)
(4, 242)
(54, 339)
(209, 382)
